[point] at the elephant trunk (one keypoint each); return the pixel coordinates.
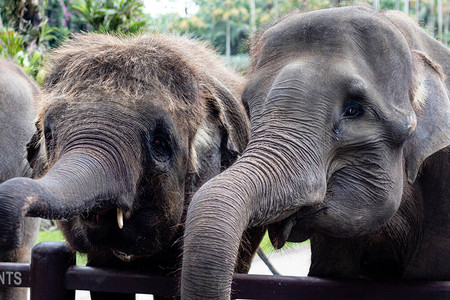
(261, 188)
(216, 220)
(79, 181)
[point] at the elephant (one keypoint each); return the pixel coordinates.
(18, 95)
(128, 130)
(349, 147)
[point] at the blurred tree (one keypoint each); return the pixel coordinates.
(22, 15)
(124, 16)
(228, 24)
(25, 18)
(252, 18)
(440, 20)
(13, 47)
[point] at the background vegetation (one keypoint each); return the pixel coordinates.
(30, 28)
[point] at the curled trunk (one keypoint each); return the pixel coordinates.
(224, 207)
(78, 182)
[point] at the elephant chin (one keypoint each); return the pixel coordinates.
(294, 228)
(280, 231)
(124, 256)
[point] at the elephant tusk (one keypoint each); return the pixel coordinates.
(120, 218)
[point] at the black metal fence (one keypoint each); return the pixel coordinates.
(52, 275)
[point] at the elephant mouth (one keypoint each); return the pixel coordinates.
(124, 256)
(99, 217)
(295, 228)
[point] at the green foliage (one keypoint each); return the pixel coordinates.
(210, 21)
(172, 22)
(56, 235)
(46, 33)
(12, 46)
(239, 62)
(238, 34)
(27, 36)
(267, 247)
(24, 17)
(124, 16)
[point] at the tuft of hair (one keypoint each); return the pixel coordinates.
(203, 139)
(133, 64)
(176, 68)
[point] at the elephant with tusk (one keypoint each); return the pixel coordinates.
(129, 128)
(350, 118)
(18, 110)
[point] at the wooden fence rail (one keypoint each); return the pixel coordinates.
(52, 275)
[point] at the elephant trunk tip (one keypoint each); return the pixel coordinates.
(215, 224)
(15, 205)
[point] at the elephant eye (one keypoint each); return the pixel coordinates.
(352, 109)
(49, 139)
(161, 145)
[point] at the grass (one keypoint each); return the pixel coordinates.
(56, 235)
(267, 247)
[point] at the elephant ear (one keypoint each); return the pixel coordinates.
(224, 132)
(35, 152)
(430, 98)
(432, 106)
(233, 121)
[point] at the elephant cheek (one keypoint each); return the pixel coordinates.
(75, 233)
(346, 222)
(348, 216)
(364, 205)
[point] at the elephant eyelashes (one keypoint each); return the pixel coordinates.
(49, 139)
(161, 145)
(352, 110)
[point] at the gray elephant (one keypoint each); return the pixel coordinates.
(350, 118)
(130, 128)
(18, 111)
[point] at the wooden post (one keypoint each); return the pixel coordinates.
(49, 263)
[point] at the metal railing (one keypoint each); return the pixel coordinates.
(52, 275)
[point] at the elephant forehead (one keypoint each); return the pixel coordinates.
(354, 33)
(338, 46)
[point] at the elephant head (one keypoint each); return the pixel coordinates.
(339, 100)
(128, 130)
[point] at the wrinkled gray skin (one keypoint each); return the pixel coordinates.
(17, 114)
(131, 124)
(350, 123)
